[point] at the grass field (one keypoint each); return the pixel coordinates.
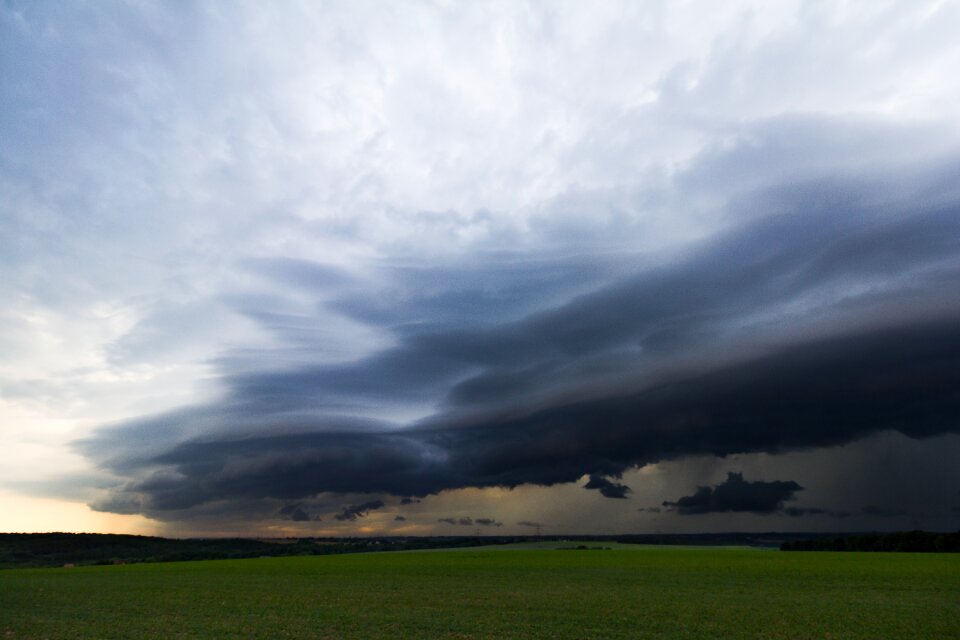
(483, 593)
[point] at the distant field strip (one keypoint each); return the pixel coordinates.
(643, 593)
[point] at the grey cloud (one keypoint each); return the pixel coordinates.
(881, 512)
(748, 278)
(737, 494)
(355, 511)
(399, 519)
(470, 522)
(488, 522)
(797, 512)
(447, 520)
(170, 331)
(530, 524)
(497, 286)
(607, 488)
(303, 275)
(294, 512)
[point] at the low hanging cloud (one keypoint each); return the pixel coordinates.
(355, 511)
(817, 395)
(738, 495)
(295, 512)
(607, 488)
(488, 522)
(471, 522)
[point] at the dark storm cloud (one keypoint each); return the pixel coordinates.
(737, 494)
(488, 522)
(830, 311)
(818, 394)
(607, 488)
(399, 519)
(470, 522)
(802, 253)
(881, 512)
(798, 512)
(294, 512)
(650, 509)
(409, 500)
(756, 269)
(355, 511)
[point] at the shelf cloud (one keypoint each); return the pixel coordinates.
(789, 332)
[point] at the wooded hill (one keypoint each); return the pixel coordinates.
(923, 541)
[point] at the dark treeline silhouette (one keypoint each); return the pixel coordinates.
(58, 549)
(902, 541)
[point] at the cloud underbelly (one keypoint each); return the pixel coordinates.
(813, 395)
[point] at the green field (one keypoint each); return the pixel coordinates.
(483, 593)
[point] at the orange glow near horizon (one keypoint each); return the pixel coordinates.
(25, 514)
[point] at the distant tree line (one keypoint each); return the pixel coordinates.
(58, 549)
(923, 541)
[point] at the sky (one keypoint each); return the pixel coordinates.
(352, 268)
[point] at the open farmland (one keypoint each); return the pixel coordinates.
(483, 593)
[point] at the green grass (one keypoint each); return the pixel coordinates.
(590, 544)
(644, 593)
